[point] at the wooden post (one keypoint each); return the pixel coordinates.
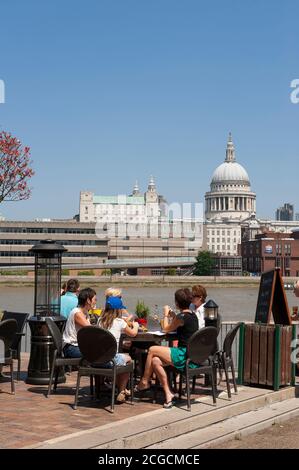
(241, 355)
(293, 367)
(277, 357)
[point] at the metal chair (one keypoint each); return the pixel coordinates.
(225, 357)
(217, 325)
(21, 319)
(58, 359)
(8, 330)
(98, 348)
(200, 350)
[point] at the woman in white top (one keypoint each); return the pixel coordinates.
(111, 320)
(199, 295)
(77, 319)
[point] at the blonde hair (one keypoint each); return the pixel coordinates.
(108, 317)
(112, 292)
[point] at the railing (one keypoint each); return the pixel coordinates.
(225, 327)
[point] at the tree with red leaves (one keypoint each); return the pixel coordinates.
(15, 169)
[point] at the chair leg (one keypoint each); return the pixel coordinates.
(19, 368)
(227, 379)
(77, 390)
(113, 390)
(56, 378)
(91, 385)
(11, 379)
(213, 380)
(132, 387)
(188, 391)
(181, 386)
(234, 376)
(51, 380)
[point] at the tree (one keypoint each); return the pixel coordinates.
(15, 169)
(204, 264)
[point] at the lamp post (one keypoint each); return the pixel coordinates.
(211, 313)
(47, 287)
(211, 319)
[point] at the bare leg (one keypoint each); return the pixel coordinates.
(162, 376)
(163, 352)
(122, 381)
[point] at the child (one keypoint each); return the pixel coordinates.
(111, 320)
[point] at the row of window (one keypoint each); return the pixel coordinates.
(225, 240)
(228, 232)
(63, 242)
(212, 247)
(67, 254)
(46, 230)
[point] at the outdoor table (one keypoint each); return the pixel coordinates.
(144, 340)
(150, 337)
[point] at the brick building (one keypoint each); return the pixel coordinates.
(272, 250)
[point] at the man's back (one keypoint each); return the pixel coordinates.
(68, 301)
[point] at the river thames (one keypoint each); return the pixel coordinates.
(235, 303)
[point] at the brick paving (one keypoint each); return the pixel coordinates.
(28, 417)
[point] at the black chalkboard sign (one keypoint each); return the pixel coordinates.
(272, 299)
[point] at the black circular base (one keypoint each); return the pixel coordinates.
(43, 380)
(42, 349)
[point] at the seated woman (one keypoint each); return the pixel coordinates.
(77, 319)
(112, 321)
(115, 292)
(185, 324)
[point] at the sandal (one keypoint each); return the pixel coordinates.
(121, 397)
(167, 405)
(138, 390)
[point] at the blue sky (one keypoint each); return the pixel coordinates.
(107, 92)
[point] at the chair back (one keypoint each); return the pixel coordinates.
(96, 344)
(229, 339)
(21, 319)
(56, 335)
(201, 345)
(8, 329)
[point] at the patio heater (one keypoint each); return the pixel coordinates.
(47, 287)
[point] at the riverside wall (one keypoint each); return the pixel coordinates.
(149, 281)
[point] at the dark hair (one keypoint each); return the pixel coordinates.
(72, 285)
(84, 295)
(63, 289)
(183, 298)
(199, 291)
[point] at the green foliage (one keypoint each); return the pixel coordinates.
(65, 272)
(106, 272)
(171, 271)
(141, 310)
(17, 272)
(85, 273)
(204, 264)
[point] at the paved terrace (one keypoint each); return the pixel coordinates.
(29, 419)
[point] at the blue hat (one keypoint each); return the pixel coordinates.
(115, 303)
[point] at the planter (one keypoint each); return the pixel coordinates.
(265, 355)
